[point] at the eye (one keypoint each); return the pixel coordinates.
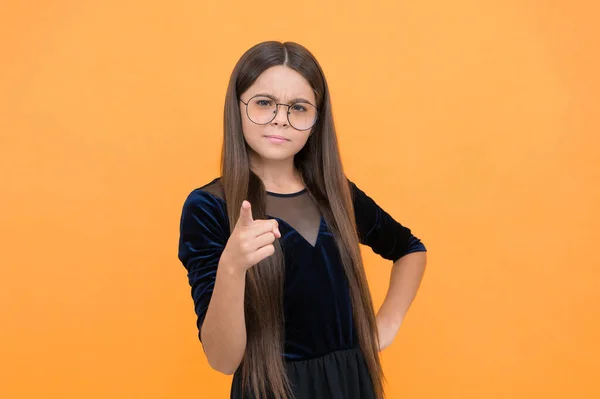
(298, 108)
(262, 102)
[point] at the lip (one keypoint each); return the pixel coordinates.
(276, 139)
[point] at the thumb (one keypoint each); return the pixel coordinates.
(245, 218)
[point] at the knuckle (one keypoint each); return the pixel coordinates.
(261, 223)
(245, 246)
(243, 236)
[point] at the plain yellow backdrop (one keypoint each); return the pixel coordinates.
(475, 123)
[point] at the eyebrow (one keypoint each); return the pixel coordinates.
(292, 101)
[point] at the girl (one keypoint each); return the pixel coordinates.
(271, 246)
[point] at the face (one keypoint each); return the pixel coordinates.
(277, 139)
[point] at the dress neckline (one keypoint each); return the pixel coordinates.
(287, 195)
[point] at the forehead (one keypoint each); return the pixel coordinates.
(283, 83)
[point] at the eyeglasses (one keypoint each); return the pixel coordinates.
(262, 110)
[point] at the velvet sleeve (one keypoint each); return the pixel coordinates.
(204, 230)
(379, 230)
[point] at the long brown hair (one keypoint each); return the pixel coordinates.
(319, 163)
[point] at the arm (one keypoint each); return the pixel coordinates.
(217, 263)
(223, 332)
(393, 241)
(217, 290)
(407, 273)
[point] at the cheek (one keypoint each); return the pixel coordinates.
(300, 142)
(251, 130)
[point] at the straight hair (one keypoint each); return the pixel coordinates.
(263, 368)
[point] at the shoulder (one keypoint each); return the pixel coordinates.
(356, 193)
(206, 200)
(210, 193)
(366, 208)
(204, 225)
(354, 189)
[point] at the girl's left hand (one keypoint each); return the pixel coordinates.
(387, 331)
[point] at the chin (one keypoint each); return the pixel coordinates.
(274, 154)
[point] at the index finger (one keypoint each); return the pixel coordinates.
(245, 218)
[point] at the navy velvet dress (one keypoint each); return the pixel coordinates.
(321, 351)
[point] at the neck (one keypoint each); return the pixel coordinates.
(280, 176)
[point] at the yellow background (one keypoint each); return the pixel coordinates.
(475, 123)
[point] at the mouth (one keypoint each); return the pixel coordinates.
(276, 139)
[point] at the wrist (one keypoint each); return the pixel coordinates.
(231, 270)
(389, 322)
(387, 329)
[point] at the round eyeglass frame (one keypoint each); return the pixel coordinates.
(277, 110)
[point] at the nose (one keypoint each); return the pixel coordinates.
(281, 118)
